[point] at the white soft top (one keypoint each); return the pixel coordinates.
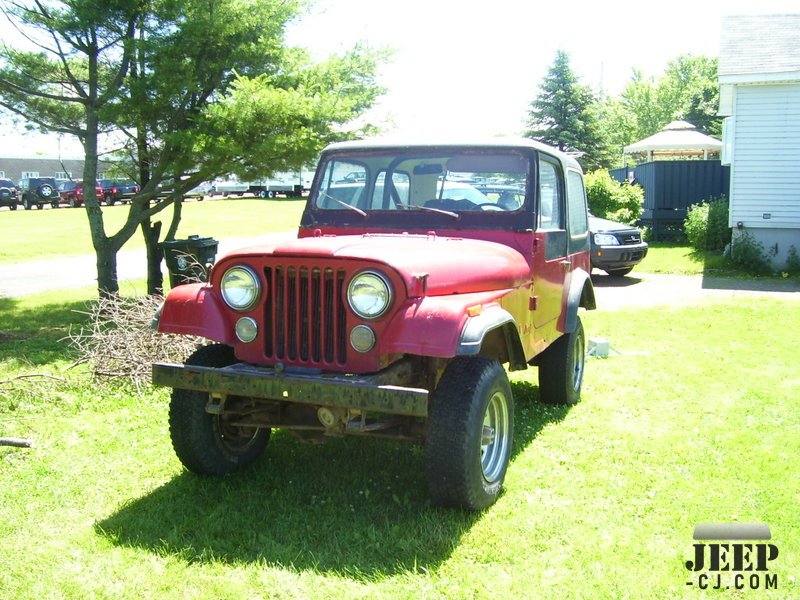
(389, 143)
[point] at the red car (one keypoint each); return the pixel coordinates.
(72, 192)
(394, 312)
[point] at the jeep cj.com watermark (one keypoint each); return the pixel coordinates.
(733, 560)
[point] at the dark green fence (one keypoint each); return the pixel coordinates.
(672, 186)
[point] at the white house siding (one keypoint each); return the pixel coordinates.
(765, 174)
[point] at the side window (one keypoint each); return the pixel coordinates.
(551, 195)
(576, 198)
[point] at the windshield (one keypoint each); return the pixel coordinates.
(449, 182)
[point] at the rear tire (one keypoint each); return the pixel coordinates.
(619, 272)
(206, 444)
(561, 368)
(470, 430)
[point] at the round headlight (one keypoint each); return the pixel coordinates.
(240, 288)
(369, 295)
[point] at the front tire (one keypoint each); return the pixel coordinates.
(619, 272)
(470, 430)
(561, 368)
(208, 444)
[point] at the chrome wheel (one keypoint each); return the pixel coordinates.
(495, 438)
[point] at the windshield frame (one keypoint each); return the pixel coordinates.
(521, 219)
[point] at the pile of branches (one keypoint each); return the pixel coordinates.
(119, 340)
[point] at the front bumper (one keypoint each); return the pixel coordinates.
(365, 393)
(618, 257)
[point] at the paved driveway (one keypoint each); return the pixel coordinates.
(643, 289)
(613, 293)
(57, 273)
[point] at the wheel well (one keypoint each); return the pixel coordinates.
(493, 335)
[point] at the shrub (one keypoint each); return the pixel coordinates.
(610, 199)
(706, 225)
(792, 262)
(748, 253)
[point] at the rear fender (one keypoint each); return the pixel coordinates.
(581, 295)
(193, 309)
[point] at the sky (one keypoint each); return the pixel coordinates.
(466, 68)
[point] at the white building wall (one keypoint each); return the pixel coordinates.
(765, 170)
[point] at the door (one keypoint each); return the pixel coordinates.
(550, 262)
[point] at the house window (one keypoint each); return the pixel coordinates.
(63, 175)
(29, 174)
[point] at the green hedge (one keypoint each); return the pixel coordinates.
(610, 199)
(706, 225)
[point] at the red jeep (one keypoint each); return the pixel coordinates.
(392, 312)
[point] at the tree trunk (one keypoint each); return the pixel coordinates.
(106, 252)
(155, 279)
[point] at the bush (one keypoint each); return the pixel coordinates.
(610, 199)
(706, 225)
(748, 253)
(793, 262)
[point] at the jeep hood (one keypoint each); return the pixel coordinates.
(449, 265)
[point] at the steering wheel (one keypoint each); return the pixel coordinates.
(490, 206)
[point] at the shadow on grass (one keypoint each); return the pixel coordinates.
(351, 506)
(36, 335)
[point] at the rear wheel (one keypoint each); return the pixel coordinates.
(561, 368)
(619, 272)
(26, 204)
(470, 429)
(210, 444)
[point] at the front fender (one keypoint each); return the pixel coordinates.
(193, 309)
(441, 326)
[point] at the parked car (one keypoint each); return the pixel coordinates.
(391, 313)
(71, 192)
(38, 191)
(116, 190)
(8, 194)
(616, 247)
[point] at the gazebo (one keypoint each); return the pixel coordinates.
(677, 167)
(679, 139)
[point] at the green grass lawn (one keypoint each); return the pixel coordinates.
(697, 420)
(681, 259)
(29, 235)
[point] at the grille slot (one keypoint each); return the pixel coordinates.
(630, 238)
(305, 316)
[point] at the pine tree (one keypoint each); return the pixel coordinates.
(564, 115)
